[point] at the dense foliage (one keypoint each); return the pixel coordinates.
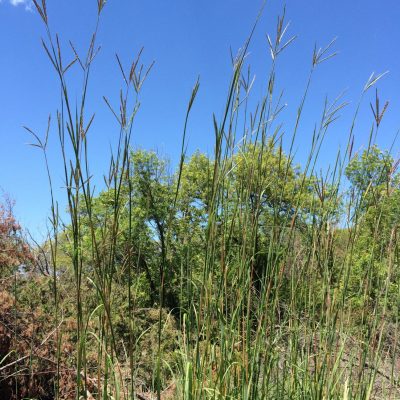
(14, 249)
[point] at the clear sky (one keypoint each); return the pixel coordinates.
(186, 38)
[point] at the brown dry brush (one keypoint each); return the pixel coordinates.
(14, 249)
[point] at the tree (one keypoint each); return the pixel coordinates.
(374, 275)
(14, 250)
(370, 174)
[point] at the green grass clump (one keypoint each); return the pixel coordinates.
(237, 276)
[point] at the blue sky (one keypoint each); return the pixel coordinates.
(186, 38)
